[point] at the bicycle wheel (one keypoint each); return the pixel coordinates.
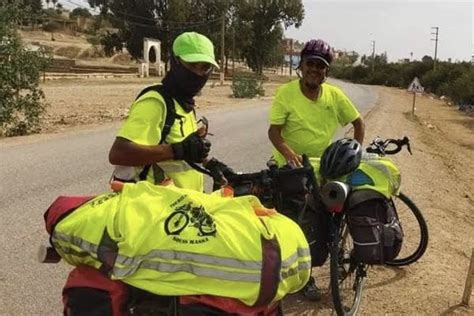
(347, 275)
(415, 231)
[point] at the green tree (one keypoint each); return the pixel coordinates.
(461, 90)
(257, 25)
(135, 20)
(427, 60)
(347, 59)
(34, 6)
(34, 9)
(378, 60)
(20, 97)
(77, 12)
(260, 28)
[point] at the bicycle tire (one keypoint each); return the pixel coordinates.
(344, 270)
(405, 259)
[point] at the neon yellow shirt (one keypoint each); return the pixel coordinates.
(309, 126)
(144, 126)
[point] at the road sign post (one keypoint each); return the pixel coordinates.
(469, 280)
(415, 86)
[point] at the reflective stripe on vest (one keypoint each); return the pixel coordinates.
(190, 268)
(76, 241)
(301, 252)
(190, 256)
(133, 263)
(293, 271)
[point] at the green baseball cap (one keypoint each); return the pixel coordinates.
(193, 47)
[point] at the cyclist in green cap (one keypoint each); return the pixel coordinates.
(160, 137)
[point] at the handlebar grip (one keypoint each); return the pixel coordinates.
(47, 254)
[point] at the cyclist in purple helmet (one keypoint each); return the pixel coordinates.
(306, 113)
(305, 116)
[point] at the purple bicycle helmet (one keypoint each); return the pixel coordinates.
(340, 158)
(318, 49)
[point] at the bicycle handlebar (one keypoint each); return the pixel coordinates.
(379, 146)
(248, 183)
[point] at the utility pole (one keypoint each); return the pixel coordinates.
(373, 56)
(291, 56)
(222, 48)
(233, 51)
(436, 28)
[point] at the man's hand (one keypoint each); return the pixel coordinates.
(192, 149)
(294, 160)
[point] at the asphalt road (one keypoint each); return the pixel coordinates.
(34, 172)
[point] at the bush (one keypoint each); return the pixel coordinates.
(461, 90)
(93, 40)
(20, 96)
(454, 80)
(68, 51)
(247, 86)
(79, 12)
(51, 26)
(92, 52)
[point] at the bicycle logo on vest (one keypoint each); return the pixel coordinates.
(188, 215)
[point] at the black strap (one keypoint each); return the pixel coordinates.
(107, 253)
(171, 116)
(359, 196)
(170, 109)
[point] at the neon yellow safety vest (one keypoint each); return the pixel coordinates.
(172, 241)
(379, 174)
(144, 126)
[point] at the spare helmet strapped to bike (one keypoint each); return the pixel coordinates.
(318, 49)
(340, 158)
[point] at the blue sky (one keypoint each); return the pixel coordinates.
(397, 27)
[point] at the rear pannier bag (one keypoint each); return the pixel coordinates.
(88, 292)
(374, 227)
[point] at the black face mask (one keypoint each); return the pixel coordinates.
(183, 84)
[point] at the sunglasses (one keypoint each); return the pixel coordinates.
(199, 67)
(318, 64)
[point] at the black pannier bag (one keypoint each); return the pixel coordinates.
(295, 199)
(374, 227)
